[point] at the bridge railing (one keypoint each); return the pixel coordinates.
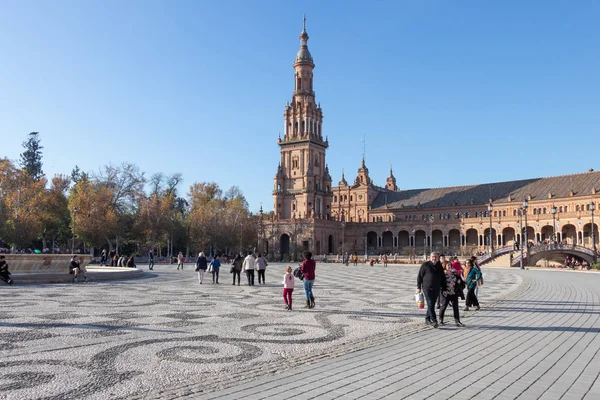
(497, 252)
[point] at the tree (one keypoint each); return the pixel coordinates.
(21, 198)
(55, 211)
(31, 158)
(93, 216)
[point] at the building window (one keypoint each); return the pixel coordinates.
(335, 199)
(350, 198)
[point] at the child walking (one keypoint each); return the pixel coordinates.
(288, 287)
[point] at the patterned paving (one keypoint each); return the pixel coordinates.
(166, 336)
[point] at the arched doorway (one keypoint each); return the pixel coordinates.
(509, 236)
(437, 238)
(546, 232)
(420, 238)
(471, 237)
(486, 237)
(371, 240)
(454, 238)
(330, 249)
(403, 239)
(387, 240)
(587, 234)
(284, 244)
(569, 234)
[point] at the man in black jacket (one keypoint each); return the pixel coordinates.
(430, 280)
(4, 273)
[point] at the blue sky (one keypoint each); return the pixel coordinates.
(448, 93)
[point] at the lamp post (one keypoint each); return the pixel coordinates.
(553, 210)
(490, 208)
(525, 205)
(430, 234)
(592, 208)
(521, 236)
(73, 238)
(343, 241)
(366, 249)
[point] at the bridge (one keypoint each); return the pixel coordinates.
(554, 251)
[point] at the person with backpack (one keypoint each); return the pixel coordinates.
(236, 268)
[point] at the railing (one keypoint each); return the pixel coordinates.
(497, 252)
(551, 247)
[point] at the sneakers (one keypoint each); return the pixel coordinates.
(459, 324)
(478, 308)
(435, 324)
(442, 323)
(427, 321)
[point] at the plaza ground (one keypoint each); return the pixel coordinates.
(166, 336)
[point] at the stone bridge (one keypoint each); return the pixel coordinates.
(555, 252)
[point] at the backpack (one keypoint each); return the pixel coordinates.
(298, 273)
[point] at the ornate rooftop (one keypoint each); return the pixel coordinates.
(555, 187)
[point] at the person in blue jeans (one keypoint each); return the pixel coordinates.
(216, 266)
(308, 270)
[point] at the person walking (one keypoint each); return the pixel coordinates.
(180, 261)
(112, 254)
(443, 262)
(103, 258)
(430, 280)
(150, 260)
(261, 267)
(288, 287)
(308, 270)
(237, 268)
(248, 266)
(215, 266)
(201, 265)
(472, 280)
(385, 260)
(4, 272)
(453, 279)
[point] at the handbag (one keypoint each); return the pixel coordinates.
(420, 299)
(231, 270)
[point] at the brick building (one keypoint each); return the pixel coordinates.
(311, 213)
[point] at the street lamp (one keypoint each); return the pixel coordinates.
(525, 205)
(73, 239)
(343, 240)
(490, 208)
(553, 210)
(592, 208)
(521, 236)
(430, 234)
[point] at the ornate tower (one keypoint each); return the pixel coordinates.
(302, 183)
(390, 182)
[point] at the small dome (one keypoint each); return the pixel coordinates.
(303, 55)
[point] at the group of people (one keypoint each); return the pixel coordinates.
(116, 260)
(443, 282)
(247, 263)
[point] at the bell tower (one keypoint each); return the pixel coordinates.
(302, 183)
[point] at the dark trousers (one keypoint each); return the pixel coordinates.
(236, 273)
(431, 296)
(151, 263)
(261, 274)
(215, 274)
(451, 298)
(471, 298)
(250, 276)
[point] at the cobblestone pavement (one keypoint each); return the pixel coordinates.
(538, 342)
(166, 336)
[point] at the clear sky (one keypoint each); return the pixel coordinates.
(448, 93)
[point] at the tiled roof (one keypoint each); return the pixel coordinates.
(539, 189)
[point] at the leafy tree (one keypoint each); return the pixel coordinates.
(55, 211)
(21, 200)
(93, 216)
(31, 158)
